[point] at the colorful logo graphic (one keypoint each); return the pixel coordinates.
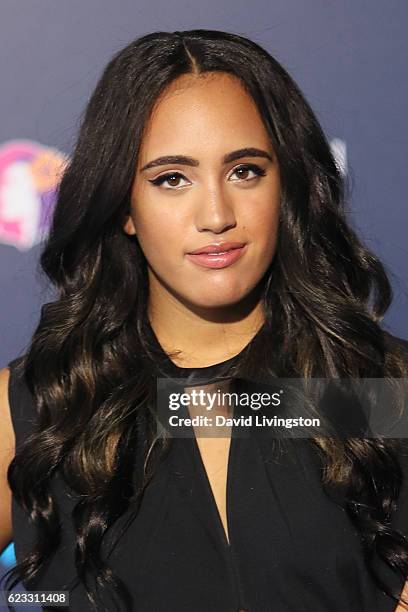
(29, 177)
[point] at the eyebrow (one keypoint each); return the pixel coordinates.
(190, 161)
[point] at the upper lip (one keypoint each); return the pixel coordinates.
(217, 247)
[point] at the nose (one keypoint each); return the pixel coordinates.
(215, 211)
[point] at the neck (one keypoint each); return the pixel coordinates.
(204, 338)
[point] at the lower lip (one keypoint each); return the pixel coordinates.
(217, 260)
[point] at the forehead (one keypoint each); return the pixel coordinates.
(208, 110)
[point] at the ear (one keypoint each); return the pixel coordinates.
(129, 227)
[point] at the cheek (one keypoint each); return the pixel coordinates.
(260, 222)
(159, 234)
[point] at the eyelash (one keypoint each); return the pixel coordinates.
(161, 179)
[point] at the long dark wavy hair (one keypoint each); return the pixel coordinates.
(90, 366)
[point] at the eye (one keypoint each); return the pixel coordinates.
(244, 168)
(164, 178)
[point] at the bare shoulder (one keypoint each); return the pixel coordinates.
(7, 451)
(7, 438)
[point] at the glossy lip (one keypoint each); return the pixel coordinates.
(217, 260)
(217, 247)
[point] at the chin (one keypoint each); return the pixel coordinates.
(220, 300)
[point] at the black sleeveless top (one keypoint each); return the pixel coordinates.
(292, 545)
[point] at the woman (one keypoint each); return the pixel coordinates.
(192, 139)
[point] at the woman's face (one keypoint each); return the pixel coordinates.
(218, 193)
